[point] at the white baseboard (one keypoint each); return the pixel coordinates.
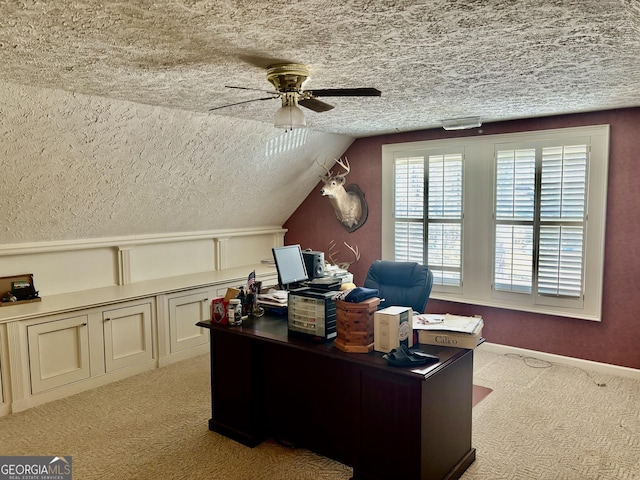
(184, 354)
(33, 400)
(604, 368)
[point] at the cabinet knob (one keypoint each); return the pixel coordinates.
(107, 319)
(83, 324)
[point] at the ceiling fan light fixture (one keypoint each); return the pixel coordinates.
(290, 116)
(461, 123)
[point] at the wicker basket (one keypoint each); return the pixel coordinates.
(354, 325)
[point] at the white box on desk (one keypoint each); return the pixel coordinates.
(392, 326)
(451, 339)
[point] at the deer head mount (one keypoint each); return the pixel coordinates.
(348, 201)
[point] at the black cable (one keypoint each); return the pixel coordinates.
(546, 364)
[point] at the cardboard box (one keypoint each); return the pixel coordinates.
(392, 326)
(451, 339)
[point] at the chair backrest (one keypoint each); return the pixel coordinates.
(406, 284)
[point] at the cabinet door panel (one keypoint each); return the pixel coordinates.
(2, 399)
(127, 336)
(184, 313)
(58, 353)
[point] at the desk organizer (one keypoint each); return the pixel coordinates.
(355, 325)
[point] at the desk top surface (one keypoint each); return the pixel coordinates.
(273, 329)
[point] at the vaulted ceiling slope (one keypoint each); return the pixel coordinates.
(432, 59)
(79, 166)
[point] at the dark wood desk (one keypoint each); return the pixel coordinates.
(385, 422)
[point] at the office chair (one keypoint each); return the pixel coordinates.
(405, 284)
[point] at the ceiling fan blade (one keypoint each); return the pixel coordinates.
(346, 92)
(240, 103)
(253, 89)
(315, 105)
(260, 60)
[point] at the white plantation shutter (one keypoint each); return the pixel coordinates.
(513, 258)
(409, 209)
(562, 220)
(539, 220)
(560, 265)
(444, 222)
(515, 201)
(441, 173)
(409, 242)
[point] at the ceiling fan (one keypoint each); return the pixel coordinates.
(288, 80)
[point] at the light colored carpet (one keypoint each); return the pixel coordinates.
(537, 423)
(551, 421)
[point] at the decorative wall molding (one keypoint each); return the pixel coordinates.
(222, 252)
(132, 240)
(17, 359)
(84, 264)
(5, 373)
(124, 265)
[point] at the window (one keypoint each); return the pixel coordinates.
(512, 221)
(409, 208)
(439, 174)
(540, 219)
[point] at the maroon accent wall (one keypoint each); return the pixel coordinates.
(614, 340)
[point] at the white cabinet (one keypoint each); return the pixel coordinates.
(67, 353)
(184, 311)
(58, 352)
(70, 343)
(178, 335)
(4, 394)
(2, 399)
(128, 336)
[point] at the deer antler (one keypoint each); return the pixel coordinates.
(331, 251)
(355, 251)
(343, 265)
(344, 164)
(324, 165)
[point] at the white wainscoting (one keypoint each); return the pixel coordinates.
(159, 260)
(75, 265)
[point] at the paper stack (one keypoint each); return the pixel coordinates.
(274, 298)
(448, 330)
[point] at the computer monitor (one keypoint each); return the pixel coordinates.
(290, 265)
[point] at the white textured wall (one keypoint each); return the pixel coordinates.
(75, 166)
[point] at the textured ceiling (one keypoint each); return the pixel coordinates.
(431, 59)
